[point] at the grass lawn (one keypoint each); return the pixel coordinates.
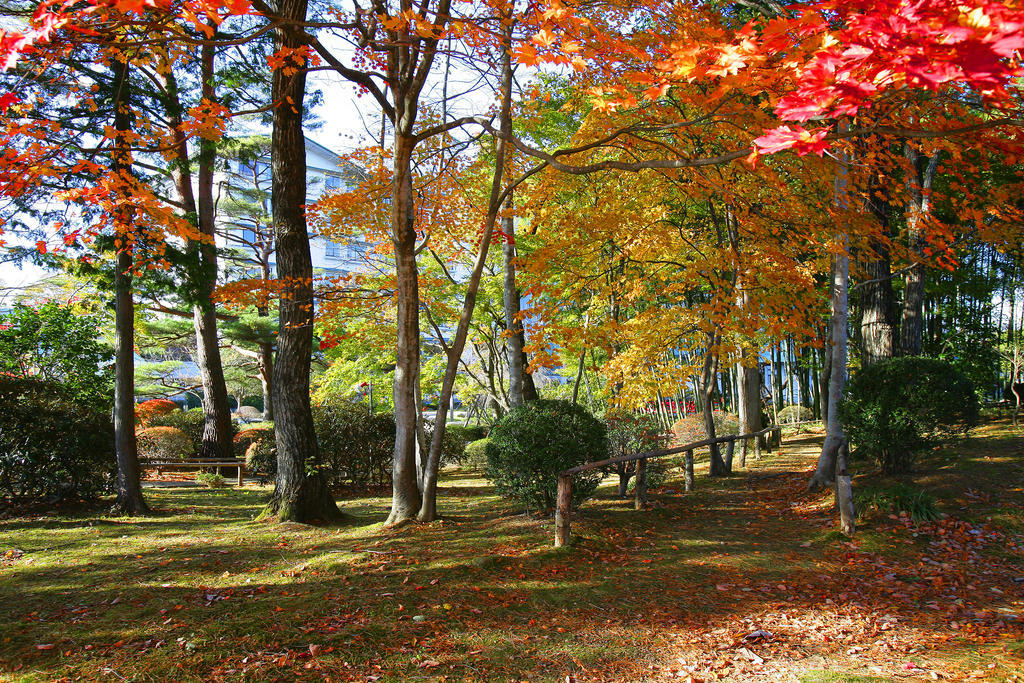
(743, 579)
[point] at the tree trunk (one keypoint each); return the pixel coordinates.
(266, 364)
(405, 493)
(217, 432)
(877, 302)
(878, 320)
(835, 439)
(919, 184)
(299, 495)
(129, 491)
(513, 327)
(428, 507)
(707, 377)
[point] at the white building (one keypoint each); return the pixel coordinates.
(245, 212)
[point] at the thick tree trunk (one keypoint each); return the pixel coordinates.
(919, 184)
(129, 499)
(877, 303)
(129, 491)
(405, 493)
(300, 492)
(878, 319)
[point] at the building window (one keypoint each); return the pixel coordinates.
(334, 182)
(333, 249)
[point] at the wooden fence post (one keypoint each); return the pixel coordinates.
(563, 506)
(757, 447)
(689, 470)
(728, 455)
(743, 453)
(241, 473)
(641, 484)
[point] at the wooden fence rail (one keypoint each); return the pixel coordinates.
(563, 502)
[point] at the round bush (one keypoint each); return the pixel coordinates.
(691, 428)
(896, 409)
(630, 434)
(249, 436)
(356, 448)
(191, 422)
(261, 457)
(474, 457)
(52, 445)
(536, 441)
(453, 443)
(163, 443)
(249, 414)
(147, 410)
(794, 413)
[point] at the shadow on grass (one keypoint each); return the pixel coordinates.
(204, 592)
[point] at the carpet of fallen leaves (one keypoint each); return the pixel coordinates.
(742, 580)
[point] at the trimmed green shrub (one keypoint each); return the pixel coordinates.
(474, 457)
(211, 480)
(795, 413)
(453, 444)
(190, 422)
(656, 474)
(536, 441)
(261, 457)
(896, 409)
(250, 435)
(630, 434)
(52, 446)
(163, 443)
(356, 448)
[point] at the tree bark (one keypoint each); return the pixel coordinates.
(299, 495)
(405, 493)
(878, 320)
(217, 432)
(129, 499)
(877, 302)
(707, 381)
(748, 384)
(266, 366)
(513, 327)
(919, 185)
(835, 439)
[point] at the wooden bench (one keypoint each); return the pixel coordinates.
(196, 464)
